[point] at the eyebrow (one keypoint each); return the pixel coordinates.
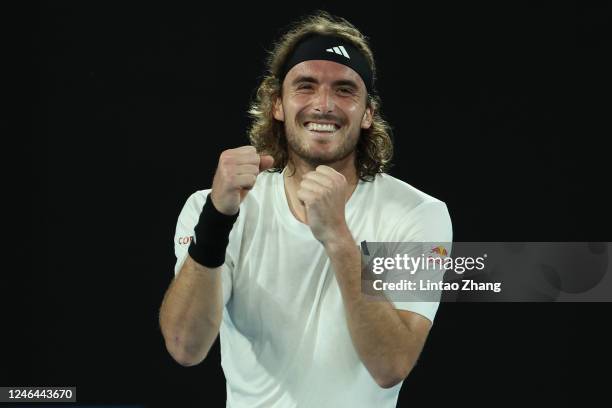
(340, 82)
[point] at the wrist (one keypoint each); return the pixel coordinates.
(345, 257)
(211, 236)
(339, 241)
(219, 208)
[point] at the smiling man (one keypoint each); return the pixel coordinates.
(269, 256)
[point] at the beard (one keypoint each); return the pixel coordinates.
(299, 146)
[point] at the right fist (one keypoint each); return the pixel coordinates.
(235, 176)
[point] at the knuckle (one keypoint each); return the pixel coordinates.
(247, 151)
(226, 159)
(251, 158)
(225, 172)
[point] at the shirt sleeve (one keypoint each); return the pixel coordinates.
(187, 220)
(428, 223)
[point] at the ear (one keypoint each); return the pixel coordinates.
(366, 121)
(278, 111)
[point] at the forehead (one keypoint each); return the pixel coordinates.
(324, 71)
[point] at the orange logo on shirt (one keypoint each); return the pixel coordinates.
(440, 250)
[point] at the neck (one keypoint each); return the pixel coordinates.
(297, 168)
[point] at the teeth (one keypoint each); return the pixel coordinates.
(321, 127)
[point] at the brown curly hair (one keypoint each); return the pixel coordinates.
(375, 146)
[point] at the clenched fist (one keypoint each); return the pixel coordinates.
(235, 176)
(323, 193)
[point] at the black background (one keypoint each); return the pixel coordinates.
(497, 110)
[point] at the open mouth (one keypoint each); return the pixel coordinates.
(321, 127)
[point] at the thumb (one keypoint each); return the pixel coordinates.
(265, 162)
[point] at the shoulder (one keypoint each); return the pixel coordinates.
(397, 196)
(411, 213)
(192, 208)
(195, 202)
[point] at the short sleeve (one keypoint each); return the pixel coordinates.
(187, 220)
(428, 223)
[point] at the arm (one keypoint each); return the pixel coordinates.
(189, 321)
(388, 341)
(190, 314)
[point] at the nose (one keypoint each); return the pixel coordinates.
(324, 101)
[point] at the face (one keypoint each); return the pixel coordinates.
(323, 107)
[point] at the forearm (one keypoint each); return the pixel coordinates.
(386, 346)
(191, 312)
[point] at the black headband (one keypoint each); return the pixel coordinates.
(336, 49)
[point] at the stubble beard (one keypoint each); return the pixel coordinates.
(299, 150)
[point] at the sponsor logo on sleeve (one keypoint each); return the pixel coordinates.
(440, 250)
(185, 240)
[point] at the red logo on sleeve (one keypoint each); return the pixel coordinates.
(185, 240)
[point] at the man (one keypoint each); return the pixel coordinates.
(271, 259)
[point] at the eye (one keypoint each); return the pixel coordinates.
(304, 86)
(345, 90)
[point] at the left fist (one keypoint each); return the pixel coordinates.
(323, 193)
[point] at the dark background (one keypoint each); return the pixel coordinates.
(497, 110)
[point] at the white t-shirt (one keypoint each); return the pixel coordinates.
(284, 336)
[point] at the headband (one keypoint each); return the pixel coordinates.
(330, 48)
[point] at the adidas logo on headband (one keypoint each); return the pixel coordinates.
(339, 50)
(330, 48)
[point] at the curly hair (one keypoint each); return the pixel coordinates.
(374, 148)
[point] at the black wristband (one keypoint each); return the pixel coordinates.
(211, 236)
